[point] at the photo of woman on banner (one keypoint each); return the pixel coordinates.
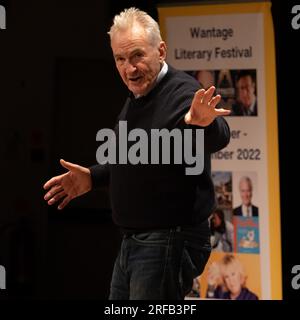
(227, 280)
(222, 232)
(246, 100)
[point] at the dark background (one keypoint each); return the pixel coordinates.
(58, 87)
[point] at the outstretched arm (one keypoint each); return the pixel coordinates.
(65, 187)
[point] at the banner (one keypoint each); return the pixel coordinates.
(231, 46)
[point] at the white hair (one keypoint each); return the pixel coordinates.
(247, 180)
(127, 18)
(231, 261)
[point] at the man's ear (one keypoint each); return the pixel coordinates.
(162, 51)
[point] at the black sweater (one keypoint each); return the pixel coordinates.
(160, 195)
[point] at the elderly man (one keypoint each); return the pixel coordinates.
(162, 212)
(246, 209)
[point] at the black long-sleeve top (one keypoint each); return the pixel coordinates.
(154, 196)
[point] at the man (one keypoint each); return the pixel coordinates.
(246, 209)
(162, 212)
(246, 98)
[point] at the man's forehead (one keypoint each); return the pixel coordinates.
(127, 50)
(246, 79)
(245, 185)
(131, 33)
(129, 40)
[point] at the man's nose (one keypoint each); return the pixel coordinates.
(130, 68)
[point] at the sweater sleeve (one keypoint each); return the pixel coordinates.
(216, 135)
(100, 175)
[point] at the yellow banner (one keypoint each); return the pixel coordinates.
(231, 46)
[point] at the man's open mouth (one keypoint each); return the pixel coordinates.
(135, 79)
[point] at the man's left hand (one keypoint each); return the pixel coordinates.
(203, 109)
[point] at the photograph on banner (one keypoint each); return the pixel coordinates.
(222, 231)
(221, 226)
(238, 89)
(245, 194)
(230, 276)
(246, 235)
(223, 188)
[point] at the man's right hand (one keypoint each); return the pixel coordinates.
(72, 184)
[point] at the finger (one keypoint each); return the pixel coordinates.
(208, 95)
(53, 181)
(53, 191)
(188, 118)
(215, 100)
(64, 202)
(199, 95)
(68, 165)
(222, 112)
(57, 197)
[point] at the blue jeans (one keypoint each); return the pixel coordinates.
(160, 264)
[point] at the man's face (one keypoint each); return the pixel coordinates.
(246, 193)
(246, 90)
(138, 61)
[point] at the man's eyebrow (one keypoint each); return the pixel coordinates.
(131, 53)
(137, 50)
(117, 55)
